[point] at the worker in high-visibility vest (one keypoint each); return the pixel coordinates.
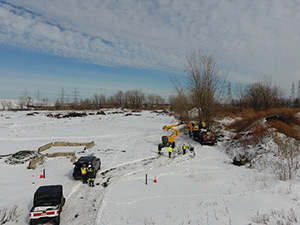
(84, 174)
(91, 175)
(184, 149)
(159, 148)
(170, 151)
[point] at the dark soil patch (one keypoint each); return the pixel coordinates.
(71, 114)
(21, 157)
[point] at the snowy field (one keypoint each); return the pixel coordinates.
(197, 188)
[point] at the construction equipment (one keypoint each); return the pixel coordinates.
(201, 133)
(169, 140)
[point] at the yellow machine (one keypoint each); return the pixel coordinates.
(201, 133)
(169, 140)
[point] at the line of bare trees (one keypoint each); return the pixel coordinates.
(260, 95)
(132, 99)
(203, 90)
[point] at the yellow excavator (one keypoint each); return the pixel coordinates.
(169, 140)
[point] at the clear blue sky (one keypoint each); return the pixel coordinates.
(100, 47)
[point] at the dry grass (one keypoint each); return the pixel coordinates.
(254, 137)
(228, 111)
(285, 128)
(250, 120)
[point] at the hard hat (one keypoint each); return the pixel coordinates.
(90, 166)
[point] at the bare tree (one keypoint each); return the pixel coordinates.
(159, 100)
(134, 98)
(111, 101)
(181, 104)
(9, 105)
(96, 101)
(204, 84)
(21, 102)
(263, 94)
(240, 92)
(119, 98)
(288, 154)
(4, 104)
(28, 101)
(85, 103)
(102, 99)
(154, 99)
(150, 99)
(45, 102)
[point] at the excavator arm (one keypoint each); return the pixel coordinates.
(175, 133)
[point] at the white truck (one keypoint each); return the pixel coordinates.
(47, 204)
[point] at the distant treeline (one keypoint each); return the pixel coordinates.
(131, 99)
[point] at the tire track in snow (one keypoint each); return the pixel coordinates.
(114, 175)
(85, 205)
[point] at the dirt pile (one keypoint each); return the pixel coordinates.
(21, 157)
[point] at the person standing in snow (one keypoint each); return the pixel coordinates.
(84, 174)
(91, 175)
(170, 151)
(159, 148)
(184, 148)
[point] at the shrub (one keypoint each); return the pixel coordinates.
(288, 153)
(6, 216)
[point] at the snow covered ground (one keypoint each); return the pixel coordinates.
(201, 187)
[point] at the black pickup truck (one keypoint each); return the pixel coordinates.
(47, 204)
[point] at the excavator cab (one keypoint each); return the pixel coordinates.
(166, 143)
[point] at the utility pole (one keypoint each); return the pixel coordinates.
(62, 99)
(298, 90)
(75, 101)
(25, 93)
(38, 96)
(293, 91)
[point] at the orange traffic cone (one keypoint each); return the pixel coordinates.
(155, 181)
(42, 174)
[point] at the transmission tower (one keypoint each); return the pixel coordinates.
(62, 98)
(298, 90)
(38, 96)
(75, 101)
(293, 91)
(229, 94)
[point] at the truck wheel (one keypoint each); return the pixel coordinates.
(57, 220)
(31, 222)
